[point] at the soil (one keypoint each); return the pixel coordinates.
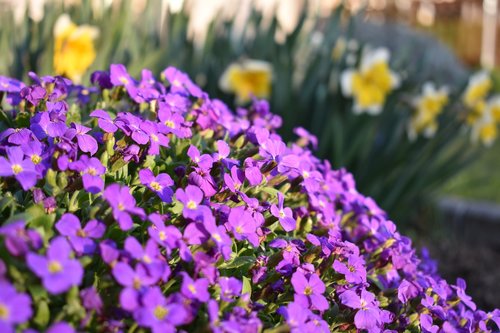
(477, 264)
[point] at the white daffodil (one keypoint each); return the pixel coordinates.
(371, 83)
(428, 106)
(247, 78)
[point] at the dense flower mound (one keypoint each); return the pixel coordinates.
(132, 206)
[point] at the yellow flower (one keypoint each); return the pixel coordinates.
(485, 128)
(74, 50)
(247, 78)
(371, 83)
(494, 106)
(477, 89)
(428, 106)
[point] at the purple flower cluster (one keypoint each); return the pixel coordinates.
(147, 204)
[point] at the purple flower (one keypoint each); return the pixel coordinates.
(354, 270)
(119, 76)
(133, 281)
(427, 325)
(159, 184)
(191, 198)
(91, 299)
(101, 78)
(33, 94)
(91, 170)
(156, 138)
(243, 225)
(58, 272)
(123, 204)
(195, 289)
(309, 291)
(466, 299)
(19, 167)
(296, 316)
(80, 238)
(159, 314)
(284, 214)
(18, 239)
(407, 290)
(61, 327)
(85, 141)
(49, 124)
(204, 161)
(15, 308)
(180, 82)
(368, 316)
(230, 288)
(104, 121)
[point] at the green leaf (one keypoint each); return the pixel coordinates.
(247, 286)
(238, 262)
(42, 315)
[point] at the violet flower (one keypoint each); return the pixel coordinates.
(159, 184)
(368, 314)
(134, 280)
(123, 204)
(91, 170)
(309, 291)
(57, 270)
(15, 307)
(243, 225)
(19, 167)
(82, 239)
(284, 214)
(159, 314)
(195, 289)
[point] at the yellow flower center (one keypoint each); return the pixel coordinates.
(156, 186)
(4, 312)
(170, 124)
(239, 229)
(16, 168)
(121, 207)
(162, 235)
(282, 213)
(137, 283)
(81, 233)
(147, 259)
(154, 137)
(91, 171)
(192, 288)
(84, 92)
(191, 204)
(160, 312)
(217, 237)
(308, 291)
(54, 266)
(123, 80)
(36, 159)
(305, 174)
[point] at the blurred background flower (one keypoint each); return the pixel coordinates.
(74, 49)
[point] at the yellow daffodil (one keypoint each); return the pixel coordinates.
(371, 83)
(428, 106)
(74, 50)
(247, 78)
(477, 89)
